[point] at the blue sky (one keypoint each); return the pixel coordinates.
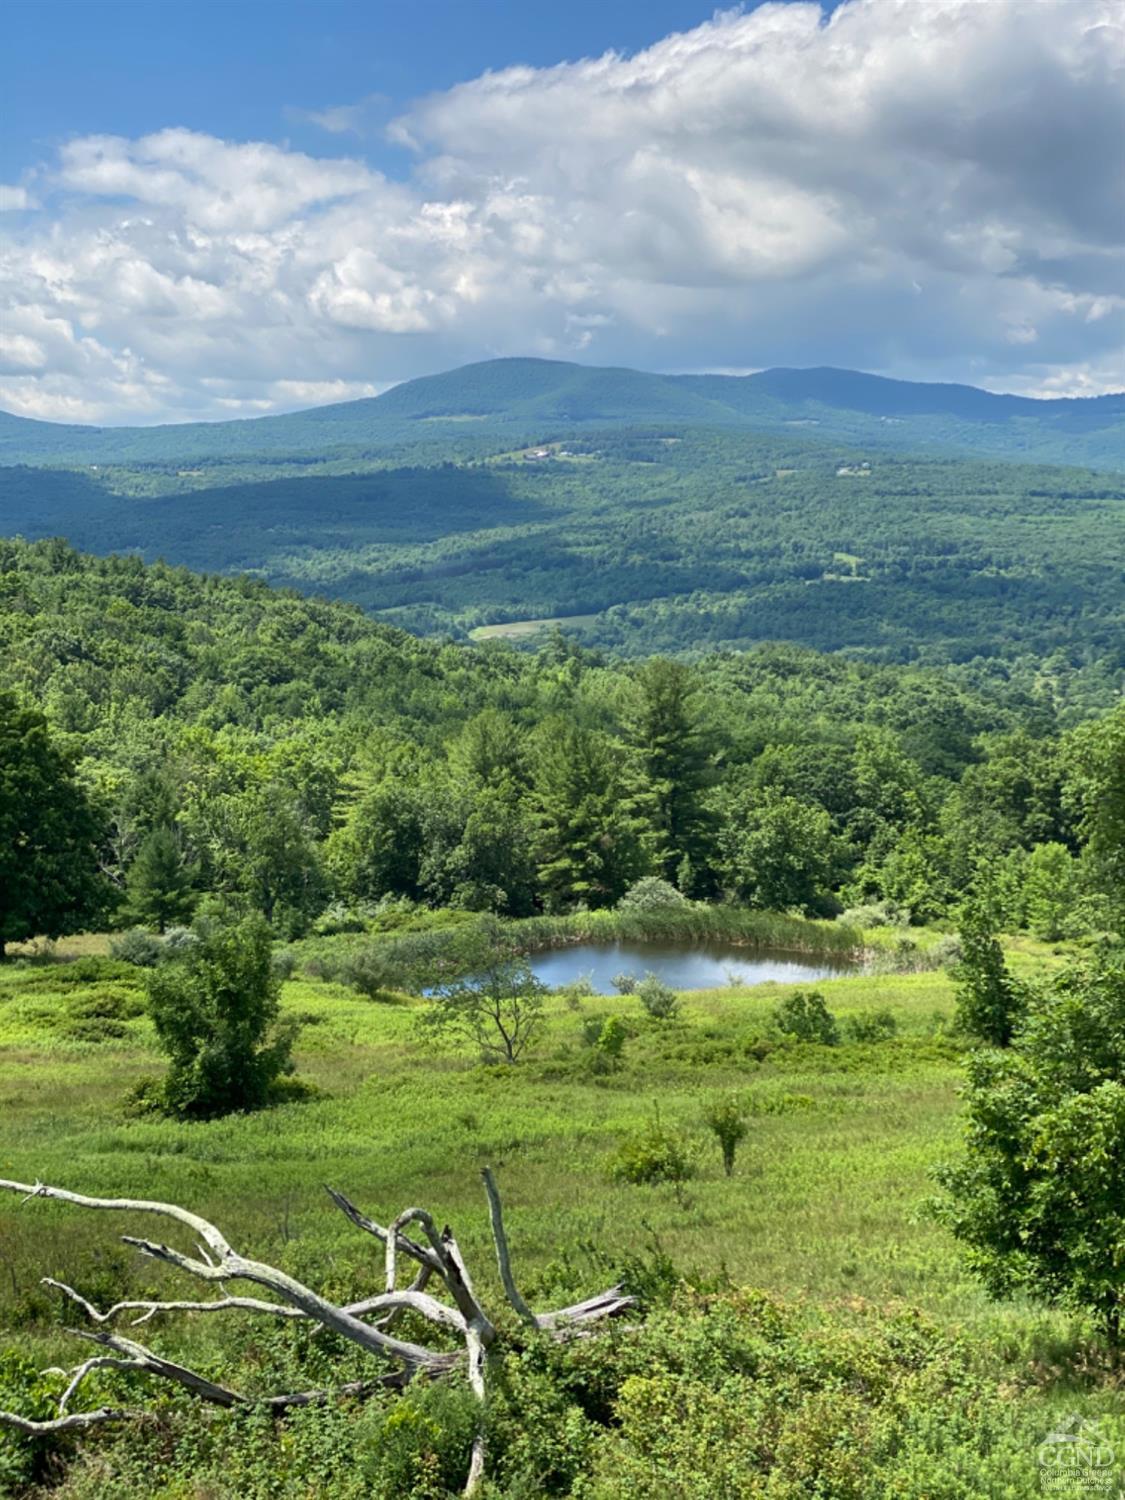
(224, 209)
(243, 68)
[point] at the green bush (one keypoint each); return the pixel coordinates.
(419, 1445)
(804, 1015)
(606, 1040)
(370, 971)
(651, 894)
(871, 1026)
(216, 1015)
(726, 1119)
(653, 1155)
(137, 946)
(659, 999)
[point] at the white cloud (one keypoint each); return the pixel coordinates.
(926, 187)
(343, 119)
(14, 199)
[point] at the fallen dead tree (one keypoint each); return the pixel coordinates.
(368, 1322)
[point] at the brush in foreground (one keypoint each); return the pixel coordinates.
(435, 1254)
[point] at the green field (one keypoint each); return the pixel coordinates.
(825, 1209)
(522, 629)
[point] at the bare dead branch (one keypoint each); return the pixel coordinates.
(209, 1235)
(143, 1358)
(99, 1362)
(361, 1221)
(504, 1260)
(217, 1263)
(150, 1309)
(72, 1422)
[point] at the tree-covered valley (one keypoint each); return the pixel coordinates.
(665, 531)
(286, 825)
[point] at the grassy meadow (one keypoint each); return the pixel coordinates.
(825, 1207)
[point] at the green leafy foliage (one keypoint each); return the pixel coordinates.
(728, 1122)
(1037, 1199)
(50, 882)
(655, 1154)
(215, 1010)
(659, 1000)
(990, 1002)
(499, 1009)
(297, 758)
(805, 1016)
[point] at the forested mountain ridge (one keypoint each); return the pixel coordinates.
(528, 397)
(288, 752)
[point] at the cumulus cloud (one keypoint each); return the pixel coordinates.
(931, 188)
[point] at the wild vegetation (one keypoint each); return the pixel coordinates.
(328, 849)
(702, 539)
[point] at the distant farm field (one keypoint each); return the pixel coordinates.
(521, 629)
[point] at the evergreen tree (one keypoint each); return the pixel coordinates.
(665, 732)
(158, 885)
(50, 882)
(588, 841)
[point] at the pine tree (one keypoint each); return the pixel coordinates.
(158, 885)
(588, 842)
(665, 733)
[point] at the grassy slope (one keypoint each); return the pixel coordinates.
(824, 1201)
(824, 1207)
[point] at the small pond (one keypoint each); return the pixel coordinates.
(701, 966)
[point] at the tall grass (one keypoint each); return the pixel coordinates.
(416, 960)
(691, 922)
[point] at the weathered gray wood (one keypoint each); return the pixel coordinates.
(215, 1261)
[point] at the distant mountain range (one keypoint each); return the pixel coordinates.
(529, 399)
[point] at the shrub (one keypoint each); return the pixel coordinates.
(871, 1026)
(577, 990)
(946, 952)
(284, 963)
(990, 1002)
(370, 971)
(653, 1155)
(726, 1119)
(177, 941)
(651, 894)
(877, 914)
(339, 918)
(659, 999)
(804, 1015)
(624, 984)
(606, 1040)
(216, 1014)
(138, 947)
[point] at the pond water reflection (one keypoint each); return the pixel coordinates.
(697, 966)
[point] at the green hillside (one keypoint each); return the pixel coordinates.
(714, 538)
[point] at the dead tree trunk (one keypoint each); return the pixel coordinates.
(366, 1323)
